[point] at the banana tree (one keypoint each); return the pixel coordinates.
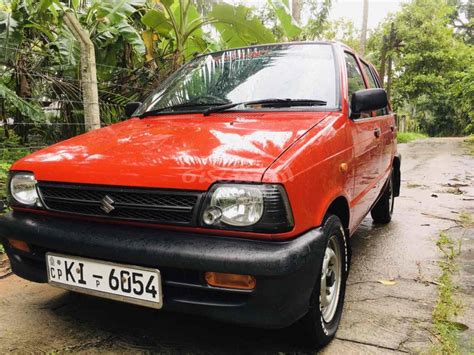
(287, 23)
(39, 58)
(109, 21)
(181, 28)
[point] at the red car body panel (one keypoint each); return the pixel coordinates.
(178, 152)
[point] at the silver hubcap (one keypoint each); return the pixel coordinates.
(330, 280)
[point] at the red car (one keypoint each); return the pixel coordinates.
(231, 192)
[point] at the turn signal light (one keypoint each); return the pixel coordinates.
(242, 282)
(18, 244)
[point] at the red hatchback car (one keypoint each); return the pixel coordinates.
(231, 192)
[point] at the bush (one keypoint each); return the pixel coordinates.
(406, 137)
(10, 151)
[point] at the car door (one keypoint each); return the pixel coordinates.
(386, 122)
(366, 147)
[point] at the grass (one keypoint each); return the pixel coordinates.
(466, 219)
(4, 166)
(3, 189)
(414, 185)
(470, 143)
(405, 137)
(447, 307)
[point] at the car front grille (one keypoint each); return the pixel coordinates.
(138, 204)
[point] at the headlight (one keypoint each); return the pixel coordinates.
(23, 189)
(251, 207)
(236, 205)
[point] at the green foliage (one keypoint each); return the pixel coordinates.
(10, 147)
(405, 137)
(238, 27)
(447, 307)
(136, 41)
(432, 66)
(342, 30)
(26, 108)
(3, 180)
(319, 10)
(10, 150)
(282, 10)
(469, 142)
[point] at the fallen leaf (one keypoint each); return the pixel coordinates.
(387, 282)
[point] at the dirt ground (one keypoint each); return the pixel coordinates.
(379, 316)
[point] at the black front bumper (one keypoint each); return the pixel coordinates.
(285, 271)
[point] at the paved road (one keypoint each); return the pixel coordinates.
(437, 184)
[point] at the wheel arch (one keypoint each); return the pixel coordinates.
(340, 207)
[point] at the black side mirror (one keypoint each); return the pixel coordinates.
(131, 107)
(368, 100)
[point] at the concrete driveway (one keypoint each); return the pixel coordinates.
(390, 296)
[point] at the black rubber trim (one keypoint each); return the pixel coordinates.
(397, 178)
(149, 247)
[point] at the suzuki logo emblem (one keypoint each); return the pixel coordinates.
(107, 204)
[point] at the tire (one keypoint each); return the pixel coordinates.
(383, 209)
(321, 322)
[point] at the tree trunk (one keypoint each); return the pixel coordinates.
(391, 46)
(88, 73)
(296, 6)
(383, 60)
(23, 90)
(389, 76)
(363, 33)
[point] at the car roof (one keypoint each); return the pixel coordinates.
(328, 42)
(269, 45)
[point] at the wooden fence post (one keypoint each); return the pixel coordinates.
(90, 93)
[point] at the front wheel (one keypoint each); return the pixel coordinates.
(327, 299)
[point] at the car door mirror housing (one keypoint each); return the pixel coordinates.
(368, 100)
(131, 107)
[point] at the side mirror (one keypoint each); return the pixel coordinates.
(368, 100)
(131, 107)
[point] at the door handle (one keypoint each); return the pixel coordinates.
(377, 132)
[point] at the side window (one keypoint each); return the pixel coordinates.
(354, 76)
(372, 82)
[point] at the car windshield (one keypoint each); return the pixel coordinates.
(287, 71)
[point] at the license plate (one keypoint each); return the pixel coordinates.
(126, 283)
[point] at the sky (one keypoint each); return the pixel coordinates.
(350, 9)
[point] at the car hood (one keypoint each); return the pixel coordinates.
(179, 151)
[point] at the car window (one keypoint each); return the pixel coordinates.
(354, 75)
(372, 82)
(284, 71)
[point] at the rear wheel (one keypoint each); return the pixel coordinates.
(327, 299)
(383, 209)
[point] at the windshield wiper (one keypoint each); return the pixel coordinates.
(267, 103)
(171, 108)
